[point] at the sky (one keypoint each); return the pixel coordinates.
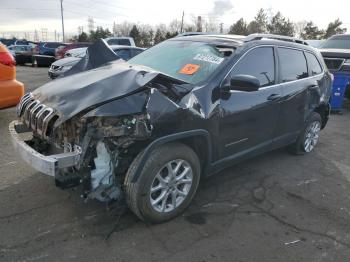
(28, 15)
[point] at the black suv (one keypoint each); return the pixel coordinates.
(149, 129)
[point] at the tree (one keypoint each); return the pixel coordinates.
(146, 38)
(135, 33)
(123, 29)
(211, 24)
(299, 28)
(159, 36)
(259, 24)
(83, 37)
(311, 31)
(170, 35)
(99, 33)
(239, 28)
(280, 25)
(334, 28)
(174, 26)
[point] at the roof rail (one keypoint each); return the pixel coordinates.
(253, 37)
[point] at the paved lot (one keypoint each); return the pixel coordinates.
(276, 207)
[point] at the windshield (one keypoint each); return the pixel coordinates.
(192, 62)
(337, 43)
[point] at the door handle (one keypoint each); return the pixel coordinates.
(273, 97)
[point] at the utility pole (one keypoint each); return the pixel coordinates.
(221, 28)
(91, 24)
(199, 24)
(62, 20)
(182, 22)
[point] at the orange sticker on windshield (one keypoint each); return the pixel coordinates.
(189, 69)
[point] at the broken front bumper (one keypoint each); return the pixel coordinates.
(49, 165)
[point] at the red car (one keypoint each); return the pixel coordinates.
(61, 50)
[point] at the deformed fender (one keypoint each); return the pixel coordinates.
(171, 138)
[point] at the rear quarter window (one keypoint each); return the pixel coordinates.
(313, 64)
(292, 63)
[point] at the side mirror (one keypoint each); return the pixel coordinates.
(246, 83)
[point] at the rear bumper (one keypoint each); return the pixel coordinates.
(49, 165)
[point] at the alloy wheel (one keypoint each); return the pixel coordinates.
(171, 185)
(312, 135)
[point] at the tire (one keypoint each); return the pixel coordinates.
(138, 195)
(310, 131)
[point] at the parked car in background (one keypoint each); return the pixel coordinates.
(47, 48)
(315, 43)
(336, 54)
(11, 90)
(12, 52)
(60, 66)
(63, 65)
(23, 53)
(149, 129)
(77, 52)
(14, 41)
(61, 50)
(129, 41)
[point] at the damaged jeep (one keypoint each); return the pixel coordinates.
(149, 129)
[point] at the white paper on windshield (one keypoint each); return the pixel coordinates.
(209, 58)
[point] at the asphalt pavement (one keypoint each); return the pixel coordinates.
(275, 207)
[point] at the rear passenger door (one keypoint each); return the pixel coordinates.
(293, 80)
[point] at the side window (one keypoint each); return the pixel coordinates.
(258, 62)
(313, 64)
(124, 54)
(292, 63)
(124, 42)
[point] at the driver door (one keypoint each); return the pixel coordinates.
(248, 119)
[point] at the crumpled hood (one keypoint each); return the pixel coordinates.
(84, 91)
(68, 61)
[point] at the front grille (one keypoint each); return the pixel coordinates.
(334, 63)
(37, 116)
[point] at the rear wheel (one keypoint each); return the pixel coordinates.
(309, 137)
(167, 183)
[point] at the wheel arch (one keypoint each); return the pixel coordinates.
(199, 140)
(324, 110)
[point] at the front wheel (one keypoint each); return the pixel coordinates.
(167, 183)
(308, 138)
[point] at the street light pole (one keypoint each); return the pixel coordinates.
(62, 21)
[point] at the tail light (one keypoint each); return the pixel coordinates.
(7, 59)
